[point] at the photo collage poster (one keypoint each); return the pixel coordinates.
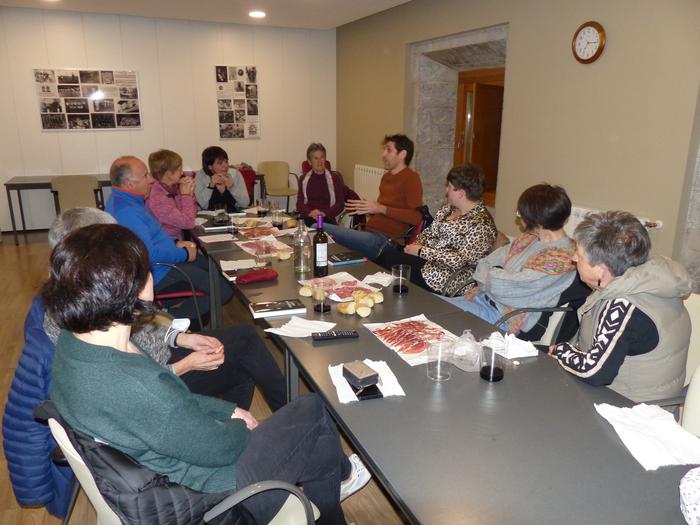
(80, 99)
(237, 102)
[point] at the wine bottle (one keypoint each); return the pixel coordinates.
(320, 249)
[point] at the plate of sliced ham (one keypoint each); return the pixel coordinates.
(340, 286)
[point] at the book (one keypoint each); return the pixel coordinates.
(273, 308)
(341, 259)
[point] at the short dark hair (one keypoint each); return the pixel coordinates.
(544, 205)
(470, 178)
(401, 143)
(316, 146)
(210, 155)
(95, 277)
(614, 238)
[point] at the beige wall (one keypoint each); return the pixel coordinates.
(615, 133)
(175, 60)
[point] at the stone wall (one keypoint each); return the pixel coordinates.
(690, 251)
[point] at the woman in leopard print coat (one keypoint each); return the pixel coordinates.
(462, 233)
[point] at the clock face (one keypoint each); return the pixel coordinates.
(588, 42)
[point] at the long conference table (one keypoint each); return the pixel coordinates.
(530, 449)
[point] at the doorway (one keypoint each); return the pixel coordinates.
(478, 123)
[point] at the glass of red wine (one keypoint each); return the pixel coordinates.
(492, 365)
(402, 275)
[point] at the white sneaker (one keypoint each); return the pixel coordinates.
(359, 477)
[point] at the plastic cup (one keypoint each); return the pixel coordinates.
(439, 363)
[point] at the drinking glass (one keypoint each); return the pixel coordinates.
(492, 365)
(402, 275)
(439, 360)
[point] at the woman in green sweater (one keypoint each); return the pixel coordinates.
(107, 387)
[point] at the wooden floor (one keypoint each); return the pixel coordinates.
(23, 269)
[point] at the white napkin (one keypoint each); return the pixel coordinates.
(510, 346)
(652, 435)
(237, 214)
(243, 264)
(383, 278)
(388, 383)
(251, 211)
(298, 327)
(288, 231)
(219, 237)
(209, 213)
(200, 220)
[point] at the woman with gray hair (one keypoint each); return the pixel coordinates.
(634, 329)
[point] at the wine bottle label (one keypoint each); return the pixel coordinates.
(322, 254)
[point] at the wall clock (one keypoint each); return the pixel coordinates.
(588, 42)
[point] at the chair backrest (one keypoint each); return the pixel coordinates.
(75, 190)
(105, 515)
(691, 408)
(276, 173)
(306, 166)
(425, 222)
(501, 240)
(692, 304)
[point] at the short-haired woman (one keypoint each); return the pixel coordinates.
(219, 186)
(462, 233)
(106, 387)
(171, 199)
(634, 331)
(321, 192)
(533, 270)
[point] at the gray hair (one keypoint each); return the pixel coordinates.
(121, 170)
(614, 238)
(75, 218)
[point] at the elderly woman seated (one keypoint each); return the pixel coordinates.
(635, 331)
(533, 270)
(321, 192)
(462, 233)
(104, 385)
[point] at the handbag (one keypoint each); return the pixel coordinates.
(257, 276)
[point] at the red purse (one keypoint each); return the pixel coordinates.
(257, 276)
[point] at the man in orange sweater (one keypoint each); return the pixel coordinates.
(396, 208)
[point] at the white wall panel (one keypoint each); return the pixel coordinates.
(175, 62)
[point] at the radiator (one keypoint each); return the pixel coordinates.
(367, 180)
(578, 213)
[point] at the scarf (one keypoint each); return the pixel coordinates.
(329, 181)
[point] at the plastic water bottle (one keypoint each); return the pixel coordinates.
(302, 249)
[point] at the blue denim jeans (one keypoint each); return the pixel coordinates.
(478, 306)
(367, 243)
(298, 444)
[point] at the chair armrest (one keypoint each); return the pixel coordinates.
(192, 288)
(255, 488)
(519, 311)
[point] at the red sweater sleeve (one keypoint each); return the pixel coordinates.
(339, 190)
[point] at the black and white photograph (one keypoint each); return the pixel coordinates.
(106, 105)
(69, 90)
(128, 92)
(102, 121)
(76, 105)
(50, 105)
(49, 121)
(251, 74)
(79, 99)
(87, 91)
(89, 77)
(226, 131)
(251, 91)
(221, 74)
(44, 75)
(67, 76)
(128, 106)
(251, 107)
(226, 116)
(78, 121)
(237, 102)
(129, 121)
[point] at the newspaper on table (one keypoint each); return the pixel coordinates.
(340, 286)
(410, 337)
(265, 246)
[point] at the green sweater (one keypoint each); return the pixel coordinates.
(131, 402)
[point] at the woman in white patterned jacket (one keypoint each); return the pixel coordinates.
(462, 233)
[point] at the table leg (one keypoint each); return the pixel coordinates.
(215, 310)
(21, 211)
(291, 375)
(12, 215)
